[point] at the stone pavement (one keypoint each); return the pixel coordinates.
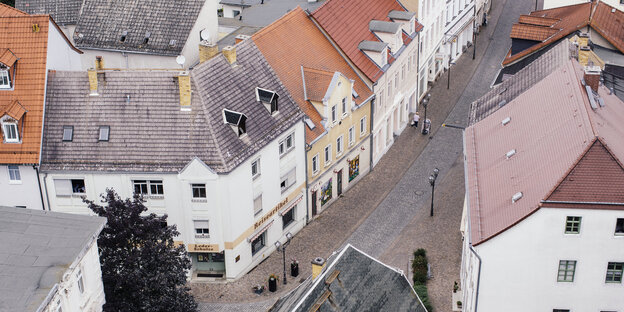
(380, 213)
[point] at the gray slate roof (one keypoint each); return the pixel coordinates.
(241, 3)
(524, 79)
(362, 284)
(383, 26)
(401, 15)
(36, 249)
(102, 23)
(149, 133)
(376, 46)
(62, 11)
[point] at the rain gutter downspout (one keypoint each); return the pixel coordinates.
(39, 183)
(305, 151)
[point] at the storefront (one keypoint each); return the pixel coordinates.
(207, 260)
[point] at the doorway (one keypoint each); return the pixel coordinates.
(339, 182)
(313, 203)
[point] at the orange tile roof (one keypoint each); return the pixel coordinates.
(316, 83)
(30, 47)
(14, 109)
(7, 57)
(294, 41)
(537, 20)
(609, 23)
(532, 32)
(6, 11)
(347, 23)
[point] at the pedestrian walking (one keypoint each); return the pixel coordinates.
(415, 120)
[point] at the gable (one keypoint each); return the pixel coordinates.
(197, 170)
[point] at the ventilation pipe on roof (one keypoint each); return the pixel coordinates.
(184, 83)
(230, 54)
(592, 77)
(93, 82)
(516, 197)
(207, 50)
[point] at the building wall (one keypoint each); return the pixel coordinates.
(524, 262)
(431, 14)
(359, 149)
(460, 18)
(68, 295)
(228, 10)
(23, 193)
(60, 54)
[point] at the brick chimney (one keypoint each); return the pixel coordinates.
(317, 266)
(93, 82)
(207, 50)
(99, 63)
(230, 54)
(592, 77)
(184, 82)
(583, 55)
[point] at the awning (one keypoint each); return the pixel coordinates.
(7, 57)
(258, 233)
(293, 204)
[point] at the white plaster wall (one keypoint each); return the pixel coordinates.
(522, 263)
(431, 14)
(24, 193)
(459, 29)
(228, 10)
(60, 54)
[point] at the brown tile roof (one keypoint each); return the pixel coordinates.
(6, 11)
(30, 47)
(531, 32)
(7, 57)
(552, 129)
(316, 83)
(294, 41)
(609, 23)
(14, 109)
(347, 23)
(537, 20)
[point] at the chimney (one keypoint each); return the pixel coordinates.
(93, 82)
(317, 266)
(592, 77)
(230, 54)
(207, 50)
(240, 38)
(583, 55)
(99, 63)
(184, 82)
(583, 39)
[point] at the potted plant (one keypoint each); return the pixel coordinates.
(294, 267)
(459, 304)
(455, 287)
(273, 282)
(258, 289)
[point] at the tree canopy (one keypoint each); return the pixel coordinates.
(142, 269)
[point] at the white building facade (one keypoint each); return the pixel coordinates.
(432, 14)
(459, 28)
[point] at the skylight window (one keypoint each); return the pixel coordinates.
(124, 35)
(506, 121)
(146, 38)
(516, 197)
(236, 120)
(104, 132)
(172, 43)
(268, 98)
(68, 133)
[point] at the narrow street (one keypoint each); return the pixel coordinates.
(387, 213)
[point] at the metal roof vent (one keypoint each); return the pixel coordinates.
(506, 121)
(511, 153)
(516, 197)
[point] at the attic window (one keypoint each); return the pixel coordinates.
(236, 120)
(506, 121)
(510, 153)
(104, 132)
(68, 133)
(268, 98)
(10, 132)
(384, 57)
(309, 123)
(5, 79)
(124, 34)
(172, 43)
(516, 197)
(147, 36)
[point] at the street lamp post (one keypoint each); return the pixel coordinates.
(432, 179)
(425, 102)
(474, 40)
(282, 247)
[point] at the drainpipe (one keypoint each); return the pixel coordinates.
(305, 151)
(39, 183)
(478, 278)
(45, 185)
(371, 133)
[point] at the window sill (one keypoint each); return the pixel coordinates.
(199, 200)
(257, 213)
(15, 182)
(202, 235)
(327, 164)
(287, 188)
(78, 195)
(155, 196)
(253, 178)
(286, 152)
(338, 154)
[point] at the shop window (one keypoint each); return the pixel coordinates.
(288, 218)
(258, 243)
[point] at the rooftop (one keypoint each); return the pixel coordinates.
(261, 15)
(62, 11)
(36, 249)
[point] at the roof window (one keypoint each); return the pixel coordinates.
(510, 153)
(268, 98)
(104, 132)
(68, 133)
(309, 123)
(124, 35)
(172, 43)
(146, 38)
(506, 121)
(5, 78)
(236, 120)
(516, 197)
(11, 135)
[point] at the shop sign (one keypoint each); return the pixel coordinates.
(203, 248)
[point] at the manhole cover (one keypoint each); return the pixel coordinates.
(419, 193)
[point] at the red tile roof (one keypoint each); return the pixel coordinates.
(30, 48)
(316, 83)
(531, 32)
(293, 42)
(537, 20)
(609, 23)
(561, 145)
(347, 23)
(6, 11)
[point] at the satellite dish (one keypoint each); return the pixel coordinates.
(204, 35)
(180, 60)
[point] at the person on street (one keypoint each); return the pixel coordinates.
(416, 119)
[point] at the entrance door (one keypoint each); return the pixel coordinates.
(314, 203)
(339, 182)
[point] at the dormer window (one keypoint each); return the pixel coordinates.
(5, 80)
(236, 120)
(7, 64)
(268, 98)
(10, 132)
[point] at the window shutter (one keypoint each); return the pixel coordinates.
(201, 224)
(62, 187)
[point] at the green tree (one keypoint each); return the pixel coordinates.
(8, 2)
(142, 269)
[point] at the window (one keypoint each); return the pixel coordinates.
(104, 132)
(68, 133)
(619, 226)
(344, 106)
(384, 57)
(333, 113)
(288, 218)
(236, 120)
(151, 187)
(389, 92)
(78, 186)
(80, 281)
(614, 272)
(573, 225)
(14, 174)
(199, 190)
(268, 98)
(403, 73)
(396, 80)
(566, 271)
(258, 243)
(561, 310)
(339, 145)
(67, 187)
(59, 306)
(255, 168)
(328, 154)
(287, 144)
(351, 135)
(315, 164)
(258, 205)
(5, 80)
(289, 179)
(363, 126)
(203, 257)
(202, 230)
(10, 132)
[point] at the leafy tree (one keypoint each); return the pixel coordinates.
(142, 270)
(8, 2)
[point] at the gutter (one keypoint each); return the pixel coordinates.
(478, 278)
(305, 152)
(372, 124)
(39, 183)
(469, 229)
(45, 184)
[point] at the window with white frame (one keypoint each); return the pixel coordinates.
(384, 57)
(344, 106)
(333, 113)
(10, 132)
(315, 163)
(202, 229)
(68, 133)
(351, 135)
(5, 80)
(255, 168)
(288, 179)
(566, 271)
(149, 187)
(80, 281)
(573, 225)
(328, 155)
(389, 92)
(363, 126)
(339, 145)
(68, 187)
(14, 174)
(287, 144)
(396, 80)
(199, 191)
(258, 205)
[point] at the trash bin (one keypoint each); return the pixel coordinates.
(426, 126)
